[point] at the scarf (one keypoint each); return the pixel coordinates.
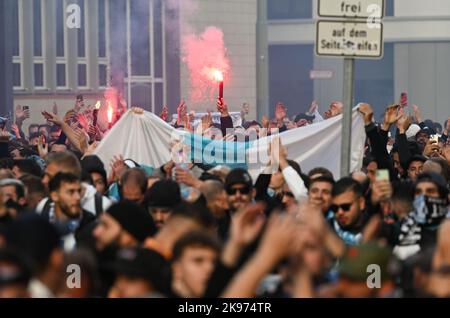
(428, 213)
(348, 237)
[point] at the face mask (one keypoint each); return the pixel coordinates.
(270, 192)
(389, 148)
(429, 211)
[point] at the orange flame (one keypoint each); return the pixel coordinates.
(98, 105)
(110, 112)
(217, 75)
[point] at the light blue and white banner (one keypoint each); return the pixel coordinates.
(149, 140)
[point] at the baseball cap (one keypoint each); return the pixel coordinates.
(425, 130)
(238, 176)
(130, 163)
(430, 124)
(304, 116)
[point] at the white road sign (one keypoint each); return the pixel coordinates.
(352, 8)
(349, 39)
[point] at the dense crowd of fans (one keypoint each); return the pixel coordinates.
(134, 232)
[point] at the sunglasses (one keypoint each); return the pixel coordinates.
(244, 190)
(345, 207)
(288, 194)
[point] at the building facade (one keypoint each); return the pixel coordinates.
(54, 59)
(237, 19)
(416, 58)
(135, 45)
(62, 48)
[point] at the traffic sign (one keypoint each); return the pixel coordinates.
(357, 9)
(349, 39)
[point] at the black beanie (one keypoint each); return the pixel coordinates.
(437, 179)
(34, 237)
(93, 163)
(163, 194)
(133, 218)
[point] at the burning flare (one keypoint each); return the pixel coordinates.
(110, 112)
(217, 75)
(98, 105)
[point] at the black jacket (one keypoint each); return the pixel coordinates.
(378, 141)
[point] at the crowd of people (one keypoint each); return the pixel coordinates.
(382, 231)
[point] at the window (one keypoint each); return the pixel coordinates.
(38, 44)
(140, 39)
(60, 28)
(82, 31)
(158, 39)
(61, 75)
(81, 35)
(159, 100)
(17, 78)
(145, 22)
(82, 75)
(141, 95)
(103, 52)
(102, 74)
(289, 82)
(374, 80)
(17, 50)
(289, 9)
(15, 28)
(389, 8)
(101, 28)
(39, 75)
(37, 28)
(172, 60)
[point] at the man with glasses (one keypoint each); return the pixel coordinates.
(239, 188)
(348, 205)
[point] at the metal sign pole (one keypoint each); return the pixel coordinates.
(346, 134)
(358, 33)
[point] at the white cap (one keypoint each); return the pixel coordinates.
(412, 131)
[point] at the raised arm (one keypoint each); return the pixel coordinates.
(225, 120)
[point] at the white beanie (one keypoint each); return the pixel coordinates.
(412, 131)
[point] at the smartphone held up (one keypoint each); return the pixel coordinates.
(382, 175)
